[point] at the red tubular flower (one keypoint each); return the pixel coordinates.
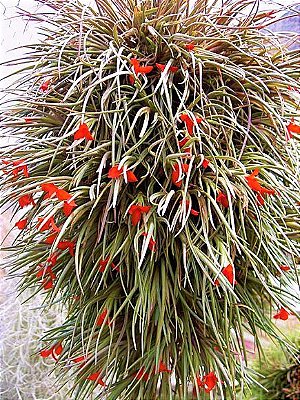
(282, 314)
(131, 79)
(142, 374)
(54, 351)
(152, 243)
(67, 244)
(79, 359)
(50, 189)
(103, 319)
(131, 177)
(190, 46)
(193, 212)
(205, 163)
(103, 264)
(189, 123)
(163, 368)
(52, 259)
(19, 168)
(138, 68)
(183, 141)
(21, 224)
(44, 86)
(256, 187)
(210, 381)
(143, 70)
(136, 212)
(43, 225)
(96, 378)
(176, 173)
(292, 128)
(223, 199)
(46, 273)
(26, 200)
(114, 173)
(162, 67)
(51, 238)
(260, 200)
(47, 283)
(45, 353)
(285, 268)
(228, 272)
(68, 207)
(83, 132)
(63, 195)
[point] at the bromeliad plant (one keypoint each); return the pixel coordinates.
(156, 162)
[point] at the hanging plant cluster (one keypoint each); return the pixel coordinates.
(155, 174)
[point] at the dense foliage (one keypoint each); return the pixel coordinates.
(156, 162)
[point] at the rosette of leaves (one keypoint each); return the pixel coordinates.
(156, 161)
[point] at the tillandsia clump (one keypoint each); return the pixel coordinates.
(156, 162)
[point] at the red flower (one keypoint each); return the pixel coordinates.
(228, 272)
(52, 259)
(260, 200)
(44, 86)
(152, 243)
(67, 244)
(83, 132)
(51, 238)
(193, 212)
(55, 351)
(292, 128)
(138, 68)
(205, 163)
(50, 189)
(283, 314)
(47, 283)
(96, 378)
(190, 46)
(46, 272)
(136, 212)
(163, 368)
(142, 374)
(22, 223)
(43, 225)
(256, 186)
(189, 122)
(79, 359)
(210, 381)
(284, 268)
(131, 177)
(176, 173)
(103, 264)
(26, 200)
(131, 79)
(63, 194)
(102, 318)
(45, 353)
(68, 207)
(114, 173)
(20, 168)
(28, 120)
(163, 66)
(183, 141)
(223, 199)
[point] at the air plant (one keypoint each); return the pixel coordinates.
(156, 161)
